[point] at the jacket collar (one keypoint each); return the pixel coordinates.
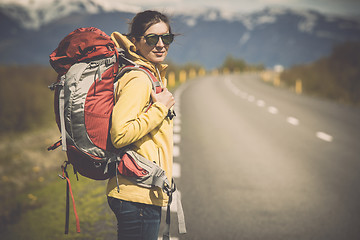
(121, 41)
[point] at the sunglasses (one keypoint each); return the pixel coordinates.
(153, 39)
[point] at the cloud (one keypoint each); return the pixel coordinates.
(338, 7)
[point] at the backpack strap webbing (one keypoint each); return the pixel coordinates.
(156, 84)
(174, 195)
(180, 213)
(69, 192)
(61, 112)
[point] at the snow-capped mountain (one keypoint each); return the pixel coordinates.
(34, 14)
(31, 30)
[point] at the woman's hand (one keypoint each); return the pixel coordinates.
(165, 97)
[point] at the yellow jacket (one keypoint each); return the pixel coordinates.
(150, 133)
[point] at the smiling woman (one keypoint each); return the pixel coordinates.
(152, 46)
(151, 34)
(141, 122)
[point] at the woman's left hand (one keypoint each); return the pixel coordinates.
(165, 97)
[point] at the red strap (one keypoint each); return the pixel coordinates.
(147, 109)
(65, 176)
(55, 145)
(158, 87)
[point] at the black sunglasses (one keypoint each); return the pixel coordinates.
(153, 39)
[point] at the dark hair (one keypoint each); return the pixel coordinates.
(144, 20)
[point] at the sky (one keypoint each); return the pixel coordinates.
(335, 7)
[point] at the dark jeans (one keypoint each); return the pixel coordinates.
(136, 221)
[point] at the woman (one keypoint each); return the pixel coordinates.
(146, 130)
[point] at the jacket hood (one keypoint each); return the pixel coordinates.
(121, 41)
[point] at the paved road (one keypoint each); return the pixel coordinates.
(258, 162)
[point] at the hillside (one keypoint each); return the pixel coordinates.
(272, 36)
(335, 77)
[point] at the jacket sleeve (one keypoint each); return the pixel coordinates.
(130, 122)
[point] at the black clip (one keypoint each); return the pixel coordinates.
(61, 176)
(171, 114)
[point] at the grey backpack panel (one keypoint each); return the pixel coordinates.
(78, 81)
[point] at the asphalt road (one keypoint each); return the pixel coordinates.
(259, 162)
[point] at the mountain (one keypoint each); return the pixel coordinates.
(271, 36)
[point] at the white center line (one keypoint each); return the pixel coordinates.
(324, 136)
(251, 98)
(293, 121)
(273, 110)
(260, 103)
(231, 86)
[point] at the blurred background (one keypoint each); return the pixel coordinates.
(299, 60)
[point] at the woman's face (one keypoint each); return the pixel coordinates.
(157, 53)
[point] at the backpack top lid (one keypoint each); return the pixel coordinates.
(81, 44)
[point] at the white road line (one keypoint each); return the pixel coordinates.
(177, 100)
(177, 128)
(179, 90)
(243, 95)
(235, 91)
(293, 121)
(176, 138)
(177, 107)
(260, 103)
(324, 136)
(176, 151)
(251, 98)
(231, 86)
(177, 121)
(171, 238)
(178, 114)
(176, 170)
(273, 110)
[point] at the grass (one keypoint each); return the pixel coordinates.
(33, 196)
(43, 212)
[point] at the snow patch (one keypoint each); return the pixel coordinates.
(244, 38)
(33, 14)
(265, 19)
(309, 22)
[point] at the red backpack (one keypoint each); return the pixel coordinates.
(88, 66)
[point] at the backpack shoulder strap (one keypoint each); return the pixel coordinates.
(156, 84)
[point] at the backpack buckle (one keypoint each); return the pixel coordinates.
(169, 189)
(53, 86)
(59, 83)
